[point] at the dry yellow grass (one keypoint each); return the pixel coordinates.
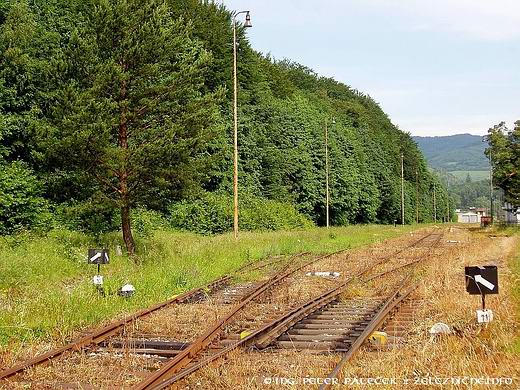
(474, 352)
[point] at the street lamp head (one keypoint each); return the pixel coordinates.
(248, 20)
(333, 120)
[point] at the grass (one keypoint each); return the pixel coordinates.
(46, 291)
(514, 266)
(475, 175)
(473, 351)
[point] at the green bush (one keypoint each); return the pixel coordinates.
(21, 206)
(213, 213)
(264, 214)
(91, 216)
(99, 217)
(144, 221)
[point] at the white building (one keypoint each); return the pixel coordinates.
(468, 217)
(511, 214)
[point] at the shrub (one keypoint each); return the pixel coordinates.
(91, 216)
(213, 213)
(265, 214)
(99, 217)
(21, 205)
(144, 221)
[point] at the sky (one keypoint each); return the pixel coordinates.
(436, 67)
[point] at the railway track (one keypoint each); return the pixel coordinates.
(391, 303)
(394, 316)
(272, 333)
(99, 336)
(177, 359)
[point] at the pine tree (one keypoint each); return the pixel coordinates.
(134, 112)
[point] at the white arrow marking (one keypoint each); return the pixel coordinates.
(106, 257)
(484, 282)
(96, 256)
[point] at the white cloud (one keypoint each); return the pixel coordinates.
(435, 66)
(436, 125)
(481, 19)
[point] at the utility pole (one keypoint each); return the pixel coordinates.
(491, 184)
(434, 205)
(402, 189)
(327, 173)
(416, 196)
(235, 120)
(327, 193)
(448, 219)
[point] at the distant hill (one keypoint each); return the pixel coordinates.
(460, 152)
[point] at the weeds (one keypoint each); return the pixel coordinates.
(515, 291)
(46, 289)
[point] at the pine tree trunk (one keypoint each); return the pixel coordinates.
(127, 229)
(123, 180)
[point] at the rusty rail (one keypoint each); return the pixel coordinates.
(262, 336)
(406, 265)
(110, 330)
(393, 302)
(161, 378)
(324, 299)
(102, 334)
(255, 265)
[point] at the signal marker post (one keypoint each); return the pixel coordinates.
(482, 281)
(98, 256)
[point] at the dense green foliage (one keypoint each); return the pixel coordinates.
(213, 213)
(469, 193)
(460, 152)
(20, 202)
(118, 105)
(460, 162)
(504, 153)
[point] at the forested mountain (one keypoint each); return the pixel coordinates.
(469, 193)
(121, 105)
(460, 152)
(461, 162)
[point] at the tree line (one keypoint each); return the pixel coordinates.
(504, 155)
(108, 106)
(470, 193)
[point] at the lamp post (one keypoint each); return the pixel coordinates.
(434, 204)
(402, 189)
(416, 196)
(327, 196)
(448, 218)
(491, 185)
(235, 118)
(487, 139)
